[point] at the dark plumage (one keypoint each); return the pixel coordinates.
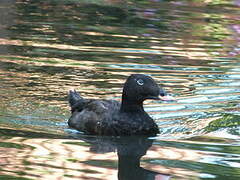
(109, 117)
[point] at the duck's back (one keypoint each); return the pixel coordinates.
(103, 117)
(91, 115)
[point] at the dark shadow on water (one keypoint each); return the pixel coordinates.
(130, 151)
(10, 133)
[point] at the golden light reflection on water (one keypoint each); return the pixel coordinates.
(183, 50)
(64, 159)
(189, 47)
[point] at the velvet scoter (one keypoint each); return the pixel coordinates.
(112, 118)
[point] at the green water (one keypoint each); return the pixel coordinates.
(189, 47)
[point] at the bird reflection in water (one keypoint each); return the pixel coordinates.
(129, 151)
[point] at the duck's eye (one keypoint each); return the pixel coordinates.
(140, 82)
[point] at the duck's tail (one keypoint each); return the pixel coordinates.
(74, 98)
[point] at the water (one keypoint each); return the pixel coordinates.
(190, 47)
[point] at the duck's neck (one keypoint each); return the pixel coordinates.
(129, 106)
(131, 102)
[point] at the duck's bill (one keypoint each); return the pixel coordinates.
(167, 98)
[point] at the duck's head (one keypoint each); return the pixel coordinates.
(139, 87)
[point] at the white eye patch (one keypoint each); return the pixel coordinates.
(140, 82)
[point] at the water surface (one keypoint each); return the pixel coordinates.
(189, 47)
